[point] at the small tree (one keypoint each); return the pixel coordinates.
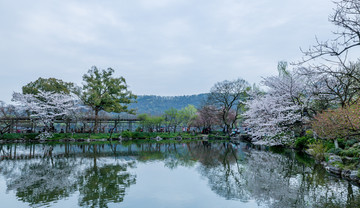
(208, 116)
(150, 123)
(228, 95)
(188, 115)
(7, 112)
(102, 91)
(172, 118)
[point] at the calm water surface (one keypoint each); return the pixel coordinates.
(166, 175)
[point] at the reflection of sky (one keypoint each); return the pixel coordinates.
(8, 198)
(158, 186)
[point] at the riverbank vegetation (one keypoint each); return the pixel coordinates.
(123, 136)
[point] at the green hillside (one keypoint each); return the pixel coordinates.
(156, 105)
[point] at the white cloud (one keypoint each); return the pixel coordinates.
(156, 4)
(155, 41)
(174, 60)
(176, 28)
(74, 22)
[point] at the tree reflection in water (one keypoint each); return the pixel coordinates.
(43, 174)
(276, 180)
(42, 180)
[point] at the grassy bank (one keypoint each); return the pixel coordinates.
(100, 136)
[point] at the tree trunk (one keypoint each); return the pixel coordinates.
(96, 130)
(336, 143)
(67, 127)
(112, 130)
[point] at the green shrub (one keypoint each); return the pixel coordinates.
(126, 134)
(19, 136)
(140, 135)
(319, 150)
(301, 142)
(329, 144)
(351, 142)
(342, 143)
(135, 135)
(335, 151)
(309, 133)
(351, 152)
(11, 136)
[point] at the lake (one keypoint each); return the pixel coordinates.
(195, 174)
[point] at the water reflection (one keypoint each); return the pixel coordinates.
(43, 174)
(40, 174)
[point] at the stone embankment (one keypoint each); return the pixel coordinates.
(336, 165)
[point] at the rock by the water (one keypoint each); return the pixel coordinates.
(123, 139)
(310, 152)
(346, 173)
(333, 169)
(335, 158)
(354, 175)
(158, 138)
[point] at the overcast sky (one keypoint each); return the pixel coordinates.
(161, 47)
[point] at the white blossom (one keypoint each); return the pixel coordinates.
(45, 107)
(277, 111)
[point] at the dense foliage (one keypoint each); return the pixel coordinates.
(103, 92)
(50, 85)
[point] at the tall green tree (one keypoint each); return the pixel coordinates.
(102, 91)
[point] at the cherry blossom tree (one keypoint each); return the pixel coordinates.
(46, 107)
(272, 116)
(7, 112)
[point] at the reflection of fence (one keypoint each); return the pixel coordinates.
(66, 155)
(81, 125)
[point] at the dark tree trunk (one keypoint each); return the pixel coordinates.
(96, 130)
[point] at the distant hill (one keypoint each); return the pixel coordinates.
(156, 105)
